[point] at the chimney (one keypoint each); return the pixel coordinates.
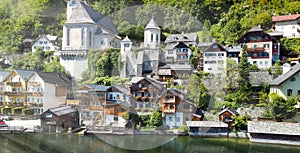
(285, 68)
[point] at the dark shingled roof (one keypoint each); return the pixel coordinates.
(54, 78)
(63, 110)
(283, 77)
(121, 88)
(257, 78)
(231, 110)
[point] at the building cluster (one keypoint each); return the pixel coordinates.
(150, 69)
(105, 105)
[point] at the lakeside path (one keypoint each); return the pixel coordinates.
(29, 124)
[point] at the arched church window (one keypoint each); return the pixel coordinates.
(68, 37)
(151, 37)
(82, 37)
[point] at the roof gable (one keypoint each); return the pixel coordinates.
(285, 18)
(284, 77)
(23, 74)
(52, 78)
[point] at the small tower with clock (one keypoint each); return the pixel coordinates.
(71, 4)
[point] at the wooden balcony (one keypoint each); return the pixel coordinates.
(96, 108)
(14, 93)
(181, 53)
(256, 49)
(13, 83)
(33, 83)
(169, 111)
(37, 94)
(171, 100)
(181, 60)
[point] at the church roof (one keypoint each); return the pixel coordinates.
(126, 39)
(152, 25)
(83, 13)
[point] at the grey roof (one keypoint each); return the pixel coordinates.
(206, 124)
(164, 72)
(152, 25)
(122, 89)
(283, 77)
(257, 78)
(208, 46)
(63, 110)
(276, 33)
(185, 37)
(4, 73)
(97, 87)
(255, 29)
(83, 13)
(166, 66)
(54, 78)
(175, 92)
(25, 74)
(177, 67)
(153, 82)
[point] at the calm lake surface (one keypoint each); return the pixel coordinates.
(64, 143)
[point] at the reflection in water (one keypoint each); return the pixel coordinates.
(64, 143)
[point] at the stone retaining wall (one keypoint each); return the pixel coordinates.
(282, 128)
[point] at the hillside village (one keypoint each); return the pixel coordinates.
(179, 78)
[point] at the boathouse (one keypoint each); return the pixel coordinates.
(59, 119)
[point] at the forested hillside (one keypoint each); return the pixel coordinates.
(229, 19)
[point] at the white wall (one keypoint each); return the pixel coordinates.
(288, 28)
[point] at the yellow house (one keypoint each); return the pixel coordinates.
(15, 91)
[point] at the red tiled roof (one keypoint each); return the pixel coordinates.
(285, 17)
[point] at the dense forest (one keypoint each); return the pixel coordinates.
(224, 20)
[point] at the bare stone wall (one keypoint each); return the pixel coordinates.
(274, 128)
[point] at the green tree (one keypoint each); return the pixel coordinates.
(198, 92)
(244, 77)
(263, 95)
(156, 119)
(54, 66)
(282, 109)
(194, 59)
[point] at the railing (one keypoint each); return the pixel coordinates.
(96, 107)
(14, 93)
(169, 110)
(13, 83)
(34, 94)
(256, 49)
(34, 83)
(169, 101)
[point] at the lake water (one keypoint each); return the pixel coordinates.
(64, 143)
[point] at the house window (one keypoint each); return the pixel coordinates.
(293, 27)
(255, 45)
(186, 106)
(293, 34)
(47, 47)
(215, 46)
(266, 46)
(170, 118)
(293, 79)
(68, 37)
(171, 106)
(289, 92)
(170, 51)
(82, 37)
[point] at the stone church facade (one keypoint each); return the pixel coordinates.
(145, 61)
(85, 29)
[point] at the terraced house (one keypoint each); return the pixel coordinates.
(30, 92)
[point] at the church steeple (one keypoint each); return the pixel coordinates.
(152, 35)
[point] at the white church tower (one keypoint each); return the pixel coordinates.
(152, 35)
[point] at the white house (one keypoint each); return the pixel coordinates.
(45, 42)
(289, 25)
(178, 49)
(46, 90)
(214, 58)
